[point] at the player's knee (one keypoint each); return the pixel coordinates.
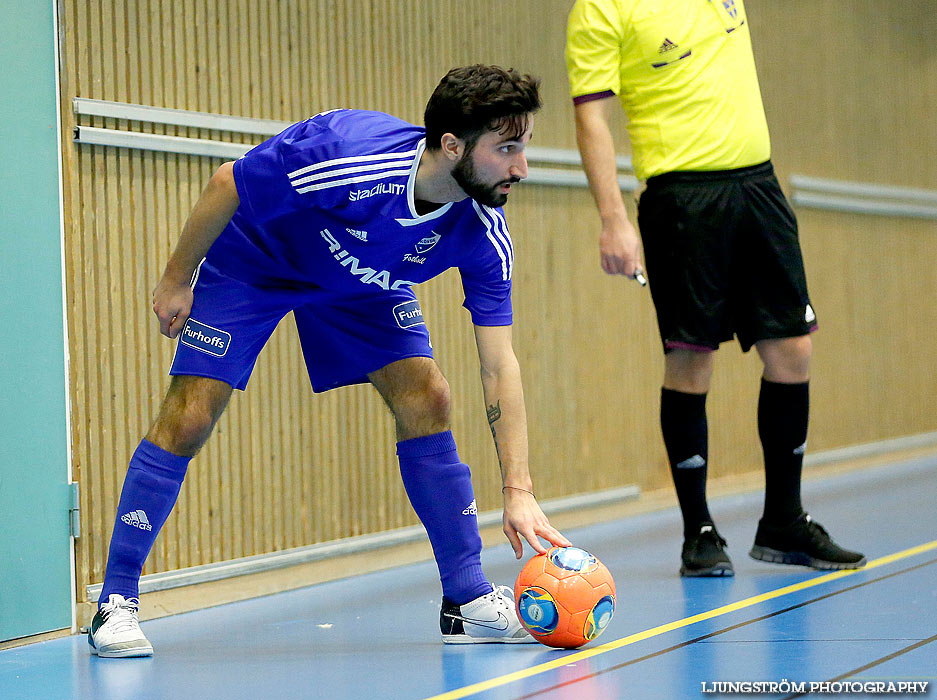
(182, 433)
(437, 401)
(193, 430)
(186, 419)
(425, 410)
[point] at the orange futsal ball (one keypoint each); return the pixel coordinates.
(565, 597)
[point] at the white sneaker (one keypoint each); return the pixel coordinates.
(489, 618)
(115, 630)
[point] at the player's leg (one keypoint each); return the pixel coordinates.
(380, 337)
(157, 468)
(683, 223)
(439, 486)
(775, 314)
(151, 487)
(417, 394)
(229, 324)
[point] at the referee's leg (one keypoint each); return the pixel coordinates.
(687, 375)
(783, 413)
(786, 534)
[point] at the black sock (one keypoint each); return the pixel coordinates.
(783, 410)
(683, 423)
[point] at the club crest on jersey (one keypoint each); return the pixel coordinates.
(427, 243)
(201, 336)
(409, 314)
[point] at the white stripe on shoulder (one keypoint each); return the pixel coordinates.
(505, 274)
(501, 230)
(354, 169)
(350, 159)
(350, 180)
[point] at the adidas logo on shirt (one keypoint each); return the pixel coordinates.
(137, 518)
(668, 45)
(472, 509)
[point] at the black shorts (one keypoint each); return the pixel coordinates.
(723, 258)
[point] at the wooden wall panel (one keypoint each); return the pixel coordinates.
(849, 88)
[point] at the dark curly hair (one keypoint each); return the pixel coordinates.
(473, 99)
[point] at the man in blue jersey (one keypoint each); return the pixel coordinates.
(334, 219)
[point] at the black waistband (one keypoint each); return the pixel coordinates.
(712, 175)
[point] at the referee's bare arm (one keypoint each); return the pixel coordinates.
(618, 244)
(172, 298)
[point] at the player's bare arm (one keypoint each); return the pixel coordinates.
(172, 298)
(618, 244)
(507, 418)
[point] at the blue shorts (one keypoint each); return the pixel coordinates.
(344, 336)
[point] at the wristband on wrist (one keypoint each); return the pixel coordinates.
(517, 488)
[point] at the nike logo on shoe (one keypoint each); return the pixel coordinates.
(500, 623)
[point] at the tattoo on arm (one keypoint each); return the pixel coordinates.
(494, 413)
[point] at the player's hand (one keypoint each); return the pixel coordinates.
(620, 249)
(172, 303)
(523, 518)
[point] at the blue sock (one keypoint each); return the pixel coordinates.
(149, 494)
(440, 489)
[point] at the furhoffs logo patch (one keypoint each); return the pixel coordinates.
(409, 314)
(203, 337)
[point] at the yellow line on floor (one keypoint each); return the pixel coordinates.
(670, 626)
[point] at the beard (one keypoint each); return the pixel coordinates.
(467, 178)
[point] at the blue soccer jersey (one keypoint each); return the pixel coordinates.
(329, 202)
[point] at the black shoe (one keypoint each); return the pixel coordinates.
(705, 555)
(804, 543)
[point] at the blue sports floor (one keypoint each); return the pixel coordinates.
(376, 636)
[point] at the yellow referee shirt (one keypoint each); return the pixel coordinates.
(685, 75)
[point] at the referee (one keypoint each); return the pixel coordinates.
(720, 241)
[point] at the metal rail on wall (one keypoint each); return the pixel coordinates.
(806, 191)
(863, 198)
(569, 176)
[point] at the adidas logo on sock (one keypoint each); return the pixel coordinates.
(694, 462)
(800, 450)
(471, 510)
(137, 518)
